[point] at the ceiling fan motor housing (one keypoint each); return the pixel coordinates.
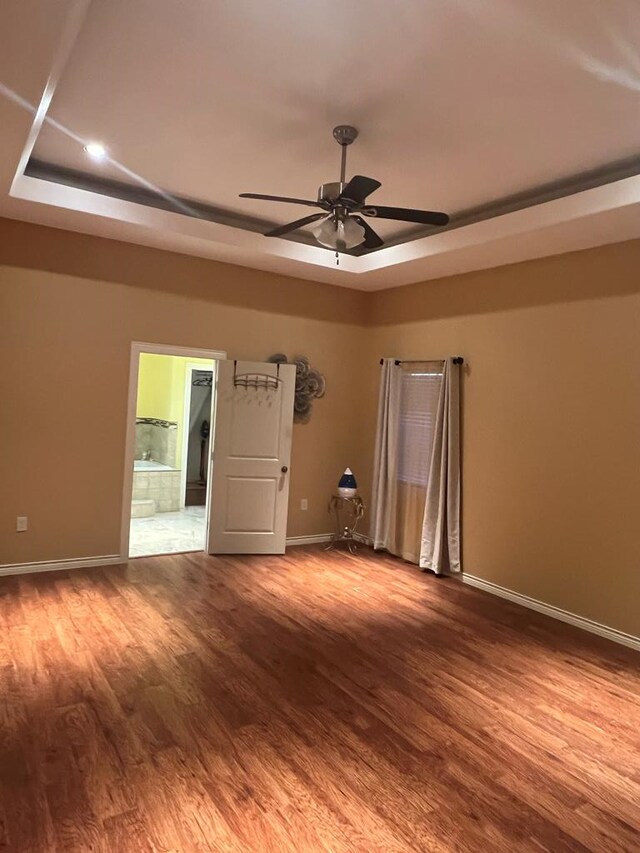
(331, 192)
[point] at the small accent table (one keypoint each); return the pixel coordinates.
(347, 513)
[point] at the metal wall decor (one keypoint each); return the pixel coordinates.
(158, 422)
(310, 385)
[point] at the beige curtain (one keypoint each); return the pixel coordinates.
(410, 502)
(440, 541)
(384, 489)
(409, 515)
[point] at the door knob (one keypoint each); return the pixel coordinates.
(284, 469)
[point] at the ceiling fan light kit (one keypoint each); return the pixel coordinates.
(339, 235)
(343, 206)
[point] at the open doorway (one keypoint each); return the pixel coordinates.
(196, 437)
(171, 411)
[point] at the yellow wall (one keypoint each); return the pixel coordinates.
(161, 390)
(551, 397)
(155, 387)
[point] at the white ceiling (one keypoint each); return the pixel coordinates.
(459, 103)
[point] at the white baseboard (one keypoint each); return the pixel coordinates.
(363, 539)
(114, 559)
(59, 565)
(308, 540)
(555, 612)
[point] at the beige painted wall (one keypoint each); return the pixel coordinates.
(551, 409)
(67, 338)
(551, 420)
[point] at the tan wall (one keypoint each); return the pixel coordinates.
(551, 419)
(551, 409)
(67, 339)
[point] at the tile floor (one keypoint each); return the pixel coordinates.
(168, 532)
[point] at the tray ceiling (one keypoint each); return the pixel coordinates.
(518, 117)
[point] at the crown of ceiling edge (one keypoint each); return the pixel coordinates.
(562, 188)
(610, 202)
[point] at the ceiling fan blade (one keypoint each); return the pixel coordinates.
(359, 188)
(406, 214)
(292, 226)
(282, 198)
(371, 239)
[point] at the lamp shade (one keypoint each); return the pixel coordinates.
(340, 235)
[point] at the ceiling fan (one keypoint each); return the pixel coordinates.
(341, 225)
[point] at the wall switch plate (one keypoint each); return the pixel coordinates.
(304, 504)
(22, 523)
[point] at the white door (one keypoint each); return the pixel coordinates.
(252, 451)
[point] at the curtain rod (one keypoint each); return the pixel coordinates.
(457, 360)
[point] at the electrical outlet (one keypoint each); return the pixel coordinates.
(304, 504)
(22, 523)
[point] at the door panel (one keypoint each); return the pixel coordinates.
(251, 504)
(255, 426)
(252, 444)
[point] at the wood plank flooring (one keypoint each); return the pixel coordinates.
(314, 702)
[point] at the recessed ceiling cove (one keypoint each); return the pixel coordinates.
(147, 120)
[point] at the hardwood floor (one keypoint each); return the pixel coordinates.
(313, 702)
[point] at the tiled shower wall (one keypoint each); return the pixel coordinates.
(159, 438)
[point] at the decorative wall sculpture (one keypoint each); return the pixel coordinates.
(310, 385)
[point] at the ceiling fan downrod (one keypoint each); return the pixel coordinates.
(344, 135)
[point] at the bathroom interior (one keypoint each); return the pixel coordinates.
(172, 450)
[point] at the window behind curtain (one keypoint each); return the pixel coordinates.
(419, 392)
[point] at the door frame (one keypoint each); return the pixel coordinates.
(138, 347)
(190, 369)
